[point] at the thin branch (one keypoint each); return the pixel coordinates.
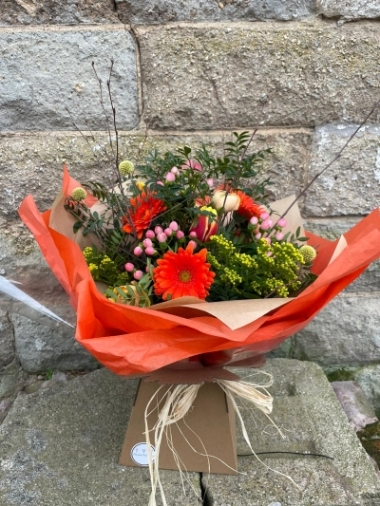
(114, 119)
(336, 157)
(103, 107)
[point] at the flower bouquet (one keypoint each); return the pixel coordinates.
(181, 266)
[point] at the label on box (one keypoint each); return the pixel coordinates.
(139, 454)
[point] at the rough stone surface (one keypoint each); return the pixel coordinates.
(355, 404)
(61, 445)
(44, 344)
(369, 380)
(349, 9)
(164, 11)
(45, 72)
(346, 332)
(69, 12)
(352, 185)
(36, 161)
(304, 74)
(332, 229)
(6, 340)
(311, 419)
(11, 380)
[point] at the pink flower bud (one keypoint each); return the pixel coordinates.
(258, 236)
(192, 164)
(168, 232)
(138, 275)
(210, 181)
(160, 183)
(174, 226)
(269, 253)
(281, 223)
(150, 234)
(264, 216)
(161, 237)
(129, 267)
(149, 251)
(175, 170)
(268, 240)
(147, 243)
(193, 235)
(158, 230)
(170, 177)
(279, 236)
(254, 220)
(137, 251)
(266, 225)
(180, 234)
(193, 244)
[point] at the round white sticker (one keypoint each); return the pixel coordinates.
(139, 454)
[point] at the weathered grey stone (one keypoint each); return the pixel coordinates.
(346, 332)
(269, 74)
(44, 344)
(35, 162)
(11, 380)
(332, 229)
(6, 340)
(61, 445)
(163, 11)
(368, 378)
(312, 421)
(4, 407)
(46, 73)
(349, 9)
(70, 12)
(355, 404)
(351, 186)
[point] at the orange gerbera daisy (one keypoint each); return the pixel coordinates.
(183, 274)
(144, 208)
(247, 206)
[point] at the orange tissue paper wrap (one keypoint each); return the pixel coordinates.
(188, 332)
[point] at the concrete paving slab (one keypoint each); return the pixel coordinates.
(312, 421)
(60, 447)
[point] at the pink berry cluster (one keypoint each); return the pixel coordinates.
(154, 239)
(264, 225)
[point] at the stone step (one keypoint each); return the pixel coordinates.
(60, 447)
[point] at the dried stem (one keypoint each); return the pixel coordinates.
(103, 107)
(336, 157)
(114, 120)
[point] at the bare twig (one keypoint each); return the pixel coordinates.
(114, 119)
(336, 157)
(103, 107)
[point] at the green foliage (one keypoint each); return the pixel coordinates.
(48, 374)
(104, 269)
(268, 270)
(237, 169)
(136, 293)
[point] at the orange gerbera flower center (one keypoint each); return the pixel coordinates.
(183, 274)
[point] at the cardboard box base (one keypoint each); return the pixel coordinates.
(209, 428)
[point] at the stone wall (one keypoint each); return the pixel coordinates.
(188, 71)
